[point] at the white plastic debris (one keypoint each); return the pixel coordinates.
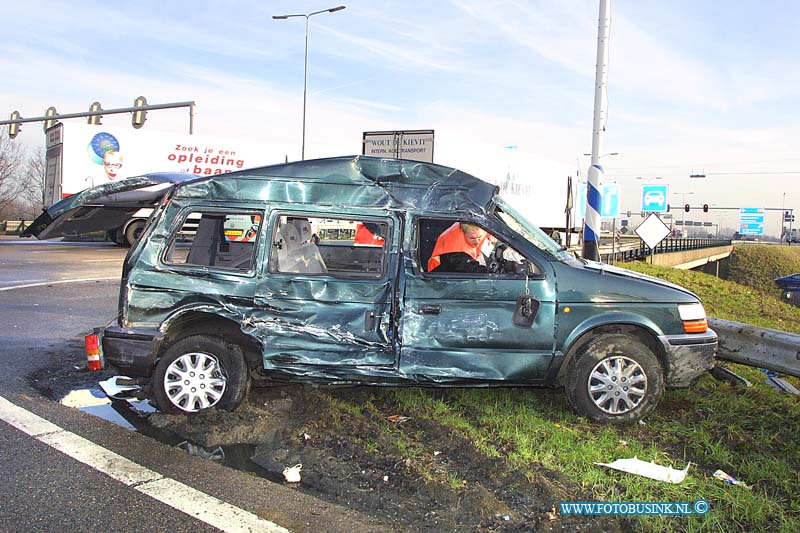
(292, 473)
(114, 389)
(650, 470)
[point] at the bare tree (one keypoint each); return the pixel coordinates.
(12, 169)
(32, 180)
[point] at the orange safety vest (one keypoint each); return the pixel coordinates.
(365, 237)
(452, 240)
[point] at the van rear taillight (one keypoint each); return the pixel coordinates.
(93, 352)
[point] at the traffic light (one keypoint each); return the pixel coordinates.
(686, 208)
(49, 123)
(94, 120)
(705, 208)
(667, 208)
(138, 118)
(788, 216)
(13, 129)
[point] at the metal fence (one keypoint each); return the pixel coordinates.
(642, 251)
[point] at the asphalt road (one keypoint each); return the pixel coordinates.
(51, 294)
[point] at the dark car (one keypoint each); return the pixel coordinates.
(791, 282)
(254, 296)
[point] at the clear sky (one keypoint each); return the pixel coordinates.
(708, 86)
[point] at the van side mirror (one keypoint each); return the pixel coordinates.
(525, 311)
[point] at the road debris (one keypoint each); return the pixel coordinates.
(727, 478)
(198, 451)
(650, 470)
(292, 473)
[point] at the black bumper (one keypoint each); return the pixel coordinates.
(131, 350)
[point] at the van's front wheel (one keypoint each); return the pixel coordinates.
(615, 379)
(201, 372)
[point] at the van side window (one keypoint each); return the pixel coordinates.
(462, 247)
(223, 240)
(328, 246)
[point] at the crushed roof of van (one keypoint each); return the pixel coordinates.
(391, 184)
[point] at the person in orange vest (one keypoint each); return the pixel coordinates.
(458, 249)
(367, 237)
(252, 232)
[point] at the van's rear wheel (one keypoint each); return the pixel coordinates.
(615, 379)
(201, 372)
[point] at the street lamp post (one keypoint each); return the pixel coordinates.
(305, 67)
(783, 218)
(683, 220)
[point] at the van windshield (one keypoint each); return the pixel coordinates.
(517, 222)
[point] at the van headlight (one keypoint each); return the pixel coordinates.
(693, 317)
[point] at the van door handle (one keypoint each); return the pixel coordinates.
(430, 309)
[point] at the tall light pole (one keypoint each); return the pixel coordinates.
(591, 226)
(305, 68)
(683, 204)
(783, 217)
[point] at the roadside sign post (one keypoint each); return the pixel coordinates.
(611, 199)
(652, 231)
(655, 198)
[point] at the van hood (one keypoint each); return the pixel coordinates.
(104, 207)
(614, 284)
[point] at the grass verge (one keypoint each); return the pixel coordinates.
(750, 433)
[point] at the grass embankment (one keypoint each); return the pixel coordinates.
(757, 266)
(751, 433)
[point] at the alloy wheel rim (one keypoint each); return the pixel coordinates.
(617, 385)
(195, 381)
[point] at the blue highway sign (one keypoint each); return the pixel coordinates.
(751, 221)
(655, 198)
(611, 200)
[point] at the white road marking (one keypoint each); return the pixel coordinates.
(79, 280)
(184, 498)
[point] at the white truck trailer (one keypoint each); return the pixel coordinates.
(80, 156)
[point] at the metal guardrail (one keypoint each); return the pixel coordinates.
(771, 349)
(669, 246)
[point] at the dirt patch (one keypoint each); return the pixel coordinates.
(356, 450)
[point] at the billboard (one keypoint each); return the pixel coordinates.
(416, 145)
(80, 156)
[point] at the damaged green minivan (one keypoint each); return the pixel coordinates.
(278, 283)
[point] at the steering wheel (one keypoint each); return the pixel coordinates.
(497, 265)
(504, 266)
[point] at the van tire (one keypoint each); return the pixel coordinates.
(615, 379)
(188, 358)
(133, 231)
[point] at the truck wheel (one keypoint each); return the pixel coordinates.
(201, 372)
(615, 379)
(117, 236)
(133, 231)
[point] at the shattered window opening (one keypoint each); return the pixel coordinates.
(221, 239)
(449, 246)
(339, 247)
